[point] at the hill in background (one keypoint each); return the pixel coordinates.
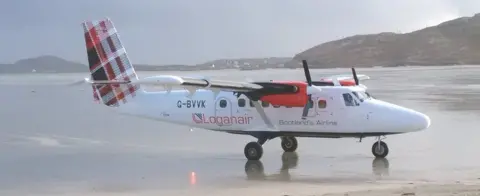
(53, 64)
(453, 42)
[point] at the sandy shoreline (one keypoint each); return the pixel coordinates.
(291, 189)
(294, 189)
(374, 189)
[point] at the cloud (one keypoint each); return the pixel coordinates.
(190, 31)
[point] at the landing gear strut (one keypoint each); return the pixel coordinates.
(380, 149)
(289, 143)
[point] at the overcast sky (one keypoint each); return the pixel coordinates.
(195, 31)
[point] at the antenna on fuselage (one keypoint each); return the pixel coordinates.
(309, 83)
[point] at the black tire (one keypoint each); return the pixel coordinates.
(253, 151)
(289, 144)
(381, 152)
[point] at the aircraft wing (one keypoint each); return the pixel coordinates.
(170, 81)
(224, 85)
(361, 77)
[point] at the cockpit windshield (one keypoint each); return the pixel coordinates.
(351, 101)
(369, 95)
(362, 96)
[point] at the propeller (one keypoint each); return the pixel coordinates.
(357, 81)
(307, 72)
(355, 76)
(309, 83)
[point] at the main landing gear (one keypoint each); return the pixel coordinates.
(254, 150)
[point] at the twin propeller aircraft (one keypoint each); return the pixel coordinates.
(335, 107)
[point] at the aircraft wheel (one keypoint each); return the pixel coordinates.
(289, 143)
(253, 151)
(380, 150)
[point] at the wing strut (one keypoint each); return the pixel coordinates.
(264, 116)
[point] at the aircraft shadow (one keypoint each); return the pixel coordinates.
(255, 169)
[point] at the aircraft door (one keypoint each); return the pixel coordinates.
(312, 112)
(223, 109)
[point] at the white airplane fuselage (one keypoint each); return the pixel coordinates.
(225, 112)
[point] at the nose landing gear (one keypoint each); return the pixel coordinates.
(380, 149)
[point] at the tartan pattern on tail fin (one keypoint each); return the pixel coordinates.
(108, 60)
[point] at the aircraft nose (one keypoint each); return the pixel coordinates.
(399, 119)
(417, 121)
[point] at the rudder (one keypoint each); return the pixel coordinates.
(108, 61)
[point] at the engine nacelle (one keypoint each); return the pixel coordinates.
(298, 99)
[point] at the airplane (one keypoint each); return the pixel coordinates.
(335, 107)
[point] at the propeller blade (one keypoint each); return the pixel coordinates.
(307, 72)
(355, 76)
(307, 107)
(309, 104)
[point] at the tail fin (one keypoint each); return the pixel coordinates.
(108, 60)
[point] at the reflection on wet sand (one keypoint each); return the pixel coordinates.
(380, 167)
(255, 169)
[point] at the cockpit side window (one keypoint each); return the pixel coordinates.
(349, 101)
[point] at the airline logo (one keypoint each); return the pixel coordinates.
(200, 118)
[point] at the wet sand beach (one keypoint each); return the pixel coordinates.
(56, 141)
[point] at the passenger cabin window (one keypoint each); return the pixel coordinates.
(223, 103)
(349, 101)
(322, 104)
(241, 102)
(251, 104)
